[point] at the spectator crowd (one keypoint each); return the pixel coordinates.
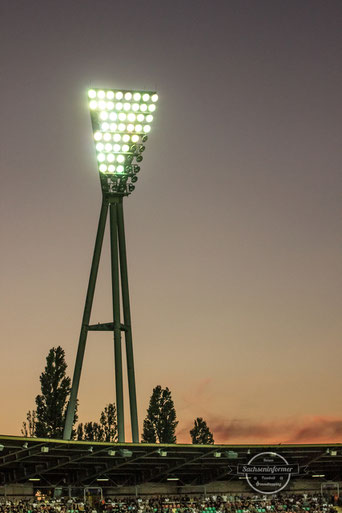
(286, 503)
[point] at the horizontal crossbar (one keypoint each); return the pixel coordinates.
(105, 326)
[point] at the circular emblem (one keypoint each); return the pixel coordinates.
(268, 472)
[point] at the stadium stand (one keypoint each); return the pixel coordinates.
(59, 468)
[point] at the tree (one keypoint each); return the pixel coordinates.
(52, 402)
(200, 433)
(80, 432)
(160, 422)
(93, 432)
(109, 424)
(29, 426)
(104, 431)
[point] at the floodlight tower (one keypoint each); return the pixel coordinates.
(120, 121)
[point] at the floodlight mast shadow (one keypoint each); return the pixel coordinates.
(120, 120)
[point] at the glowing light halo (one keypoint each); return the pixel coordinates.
(119, 145)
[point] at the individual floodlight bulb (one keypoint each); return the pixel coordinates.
(152, 107)
(103, 168)
(110, 95)
(101, 157)
(120, 158)
(110, 105)
(108, 147)
(130, 127)
(104, 115)
(125, 148)
(119, 95)
(135, 107)
(111, 168)
(105, 126)
(116, 148)
(125, 138)
(102, 105)
(93, 104)
(131, 116)
(144, 138)
(139, 158)
(101, 94)
(113, 127)
(131, 187)
(119, 106)
(138, 128)
(127, 106)
(149, 118)
(122, 116)
(107, 137)
(116, 137)
(110, 157)
(147, 129)
(113, 116)
(97, 136)
(140, 117)
(99, 146)
(128, 96)
(141, 148)
(120, 169)
(91, 93)
(135, 138)
(143, 107)
(136, 96)
(146, 97)
(136, 169)
(122, 127)
(154, 97)
(134, 179)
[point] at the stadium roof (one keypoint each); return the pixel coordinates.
(79, 463)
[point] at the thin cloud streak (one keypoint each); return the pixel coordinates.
(307, 430)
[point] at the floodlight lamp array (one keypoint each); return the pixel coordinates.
(121, 121)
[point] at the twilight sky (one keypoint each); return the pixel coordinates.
(233, 231)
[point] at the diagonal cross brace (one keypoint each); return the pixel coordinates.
(20, 455)
(68, 461)
(179, 465)
(118, 465)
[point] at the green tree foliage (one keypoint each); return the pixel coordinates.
(80, 432)
(160, 422)
(109, 424)
(200, 433)
(29, 426)
(48, 419)
(93, 432)
(104, 431)
(52, 402)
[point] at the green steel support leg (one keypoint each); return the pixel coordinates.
(127, 321)
(116, 315)
(85, 321)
